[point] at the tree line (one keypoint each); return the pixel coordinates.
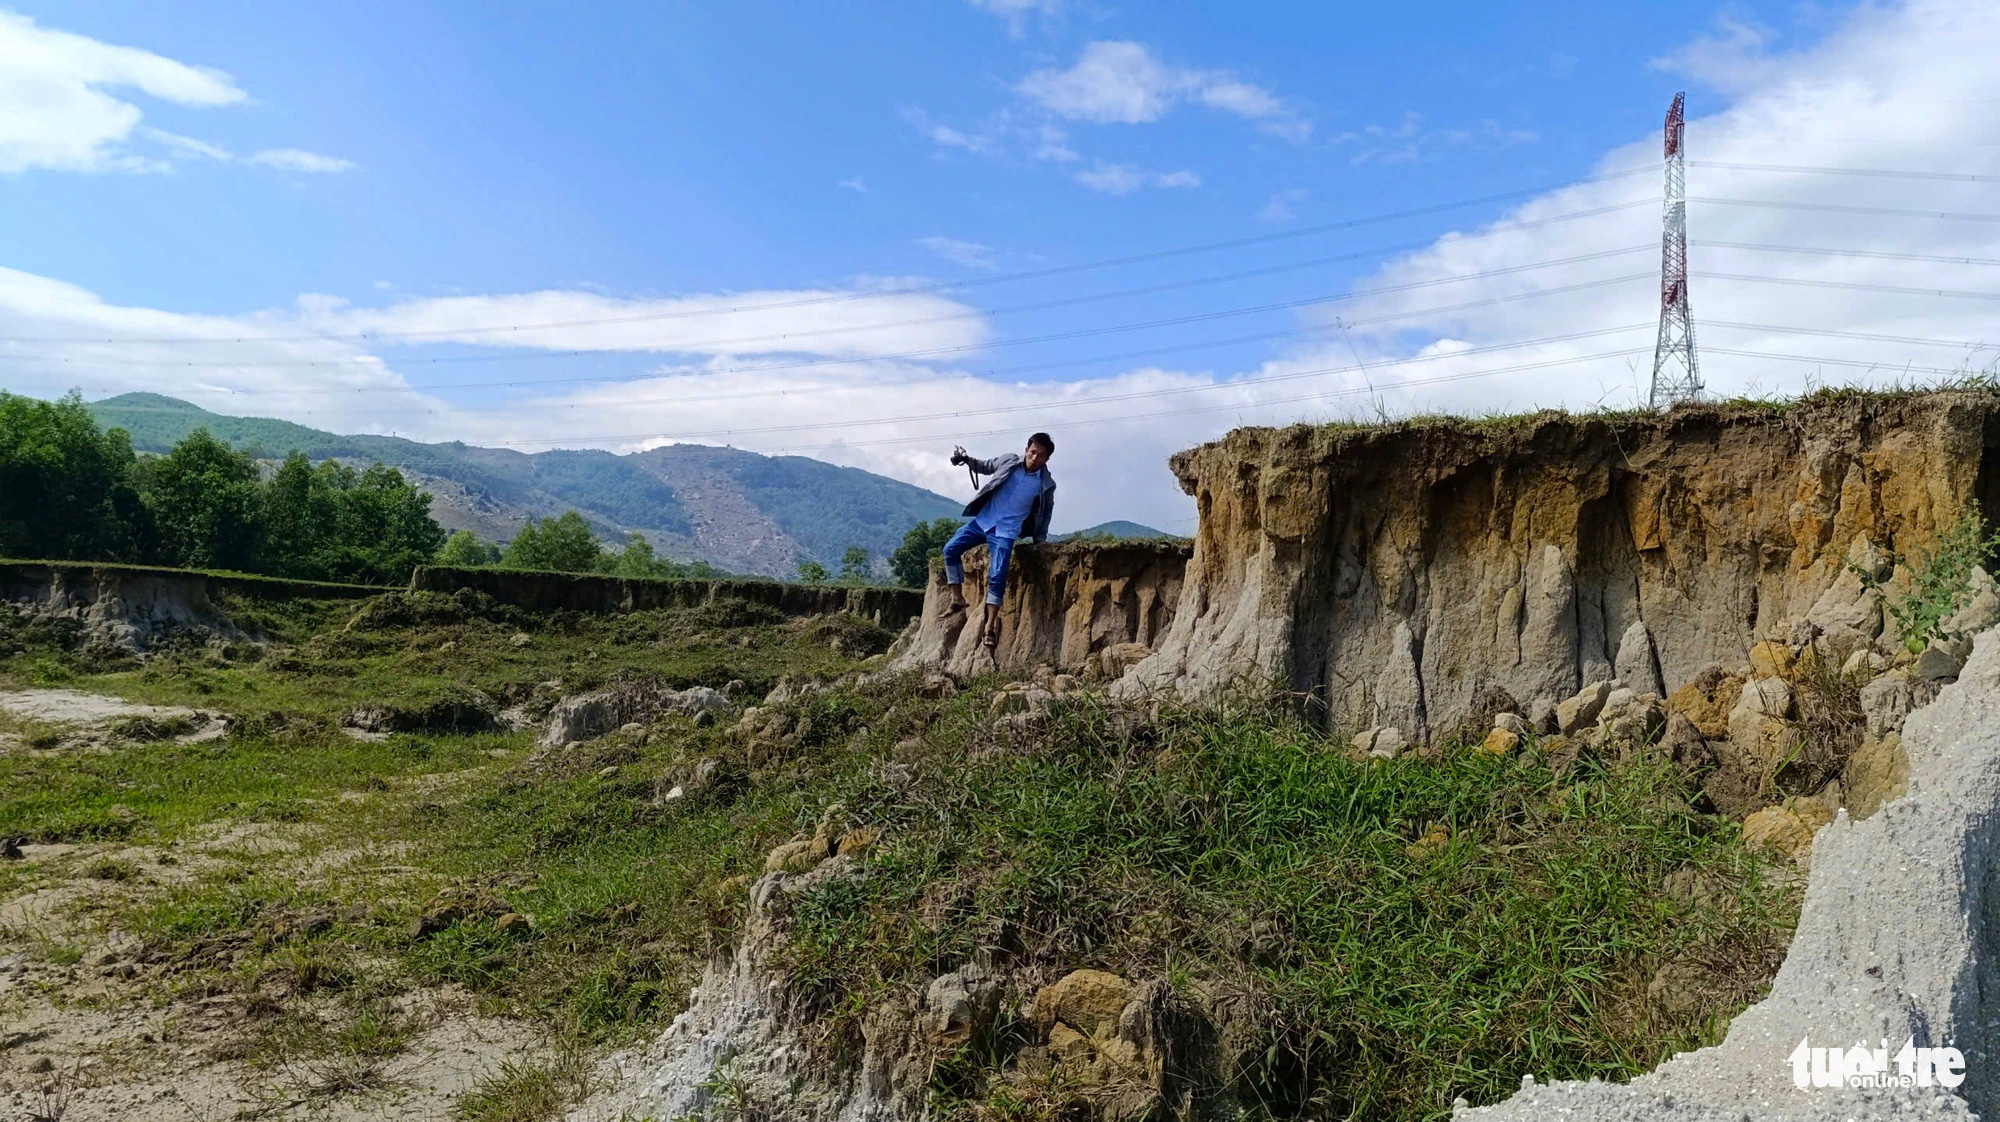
(71, 490)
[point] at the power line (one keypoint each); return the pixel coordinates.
(1885, 173)
(1153, 255)
(1865, 335)
(1101, 399)
(1083, 333)
(372, 362)
(680, 399)
(1826, 251)
(1842, 208)
(1855, 285)
(1125, 418)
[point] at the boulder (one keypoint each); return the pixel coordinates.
(1864, 664)
(1500, 742)
(1115, 660)
(1770, 659)
(1759, 733)
(1787, 829)
(1089, 1001)
(1580, 711)
(1885, 701)
(1708, 700)
(1385, 743)
(959, 1006)
(594, 714)
(1512, 722)
(1941, 660)
(1635, 664)
(1876, 772)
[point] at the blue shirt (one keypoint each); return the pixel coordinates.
(1004, 513)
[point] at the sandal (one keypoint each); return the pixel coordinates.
(951, 610)
(990, 639)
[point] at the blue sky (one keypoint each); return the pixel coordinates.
(215, 200)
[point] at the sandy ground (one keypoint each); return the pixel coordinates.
(96, 1027)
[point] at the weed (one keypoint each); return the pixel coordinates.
(530, 1092)
(109, 868)
(1938, 581)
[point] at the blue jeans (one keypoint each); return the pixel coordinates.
(1001, 549)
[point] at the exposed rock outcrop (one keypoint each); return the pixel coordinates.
(1081, 607)
(594, 714)
(134, 609)
(1895, 942)
(1395, 573)
(886, 607)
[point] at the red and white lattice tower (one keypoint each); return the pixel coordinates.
(1676, 378)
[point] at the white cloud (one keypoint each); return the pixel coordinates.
(1408, 141)
(856, 185)
(1732, 58)
(1122, 82)
(945, 136)
(61, 106)
(1903, 88)
(1279, 208)
(292, 159)
(963, 252)
(56, 108)
(1123, 179)
(1016, 12)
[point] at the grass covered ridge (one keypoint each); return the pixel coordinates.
(1406, 931)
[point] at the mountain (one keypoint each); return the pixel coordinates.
(1118, 529)
(734, 509)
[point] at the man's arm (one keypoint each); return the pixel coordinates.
(1045, 509)
(960, 456)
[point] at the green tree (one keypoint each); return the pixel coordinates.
(911, 563)
(204, 499)
(333, 523)
(562, 545)
(637, 559)
(812, 572)
(66, 488)
(854, 565)
(464, 550)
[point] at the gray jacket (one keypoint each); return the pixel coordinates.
(1036, 526)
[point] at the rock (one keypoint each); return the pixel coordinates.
(959, 1006)
(1488, 705)
(1088, 1001)
(592, 714)
(513, 923)
(1769, 659)
(1635, 664)
(10, 849)
(938, 686)
(1500, 742)
(1512, 722)
(520, 639)
(856, 842)
(1708, 700)
(1759, 733)
(1979, 613)
(1683, 743)
(1062, 685)
(1863, 664)
(1384, 743)
(1937, 664)
(1580, 711)
(1399, 693)
(1634, 721)
(1876, 772)
(1885, 701)
(1616, 701)
(1786, 830)
(801, 853)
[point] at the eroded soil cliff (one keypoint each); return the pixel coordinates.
(1393, 574)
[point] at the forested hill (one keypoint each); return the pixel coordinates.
(734, 509)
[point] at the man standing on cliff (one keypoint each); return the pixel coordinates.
(1014, 503)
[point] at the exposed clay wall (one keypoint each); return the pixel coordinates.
(1394, 573)
(889, 607)
(1066, 604)
(133, 606)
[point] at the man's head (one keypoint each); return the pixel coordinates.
(1040, 448)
